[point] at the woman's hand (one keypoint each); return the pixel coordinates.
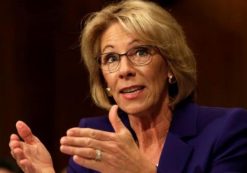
(106, 152)
(30, 154)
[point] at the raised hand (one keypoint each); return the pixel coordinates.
(30, 154)
(106, 152)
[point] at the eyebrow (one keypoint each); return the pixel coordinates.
(130, 43)
(107, 46)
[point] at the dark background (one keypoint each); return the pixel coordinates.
(44, 83)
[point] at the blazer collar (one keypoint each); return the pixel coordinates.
(184, 120)
(176, 151)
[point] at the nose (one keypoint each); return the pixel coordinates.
(126, 69)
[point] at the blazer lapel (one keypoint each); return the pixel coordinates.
(174, 155)
(176, 151)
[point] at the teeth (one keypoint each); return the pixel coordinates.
(130, 90)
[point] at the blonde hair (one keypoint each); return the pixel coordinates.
(153, 25)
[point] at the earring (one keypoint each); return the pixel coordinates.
(171, 79)
(108, 91)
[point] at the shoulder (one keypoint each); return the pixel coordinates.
(217, 135)
(225, 121)
(225, 118)
(221, 110)
(202, 118)
(206, 122)
(227, 128)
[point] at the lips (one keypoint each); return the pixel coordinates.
(131, 89)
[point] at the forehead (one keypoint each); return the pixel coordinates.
(116, 35)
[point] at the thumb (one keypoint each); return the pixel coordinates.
(116, 122)
(25, 132)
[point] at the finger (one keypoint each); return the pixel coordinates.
(14, 137)
(18, 154)
(79, 141)
(14, 143)
(91, 133)
(22, 161)
(12, 154)
(87, 153)
(116, 122)
(82, 143)
(26, 166)
(25, 132)
(103, 165)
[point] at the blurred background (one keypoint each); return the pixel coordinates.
(44, 83)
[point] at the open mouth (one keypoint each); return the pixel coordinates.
(131, 89)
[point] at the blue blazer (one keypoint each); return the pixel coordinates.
(200, 140)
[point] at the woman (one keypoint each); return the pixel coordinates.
(139, 62)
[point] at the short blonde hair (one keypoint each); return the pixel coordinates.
(153, 25)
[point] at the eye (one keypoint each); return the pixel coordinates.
(142, 51)
(110, 58)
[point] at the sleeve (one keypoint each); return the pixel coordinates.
(230, 153)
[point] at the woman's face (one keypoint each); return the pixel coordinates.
(136, 89)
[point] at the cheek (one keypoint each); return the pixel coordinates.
(109, 79)
(160, 71)
(160, 84)
(106, 77)
(159, 77)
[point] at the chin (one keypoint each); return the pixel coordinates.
(133, 109)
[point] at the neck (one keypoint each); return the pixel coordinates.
(152, 128)
(151, 131)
